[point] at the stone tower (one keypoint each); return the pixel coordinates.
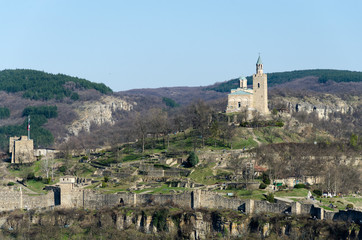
(260, 89)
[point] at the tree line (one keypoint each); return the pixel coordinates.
(333, 163)
(324, 75)
(38, 85)
(39, 116)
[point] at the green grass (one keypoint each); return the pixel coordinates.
(327, 208)
(245, 194)
(356, 201)
(242, 142)
(203, 174)
(338, 202)
(163, 189)
(301, 192)
(36, 186)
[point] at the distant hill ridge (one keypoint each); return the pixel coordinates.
(39, 85)
(277, 78)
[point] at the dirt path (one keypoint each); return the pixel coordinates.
(255, 138)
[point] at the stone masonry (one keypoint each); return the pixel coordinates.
(251, 100)
(21, 149)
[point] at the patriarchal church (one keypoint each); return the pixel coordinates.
(244, 98)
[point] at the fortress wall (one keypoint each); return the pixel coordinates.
(9, 200)
(306, 208)
(205, 199)
(197, 199)
(264, 206)
(93, 200)
(38, 201)
(349, 215)
(182, 200)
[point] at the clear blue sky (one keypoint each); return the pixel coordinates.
(142, 44)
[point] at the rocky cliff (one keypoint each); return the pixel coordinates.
(167, 223)
(98, 112)
(321, 105)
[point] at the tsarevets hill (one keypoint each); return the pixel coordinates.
(83, 105)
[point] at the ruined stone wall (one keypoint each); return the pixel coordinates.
(205, 199)
(224, 156)
(21, 149)
(38, 201)
(264, 206)
(349, 215)
(90, 199)
(11, 199)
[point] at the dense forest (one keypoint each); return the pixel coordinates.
(39, 116)
(4, 112)
(324, 75)
(38, 85)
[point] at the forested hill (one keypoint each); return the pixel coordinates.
(324, 75)
(38, 85)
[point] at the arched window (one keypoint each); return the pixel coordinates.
(258, 85)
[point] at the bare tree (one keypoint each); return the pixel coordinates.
(200, 115)
(140, 128)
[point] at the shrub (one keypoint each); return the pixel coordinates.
(317, 192)
(349, 206)
(62, 169)
(11, 184)
(159, 219)
(106, 179)
(262, 186)
(279, 124)
(46, 180)
(74, 96)
(300, 185)
(30, 176)
(270, 198)
(192, 160)
(353, 141)
(266, 178)
(4, 112)
(170, 102)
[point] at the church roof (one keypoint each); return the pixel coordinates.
(259, 61)
(240, 92)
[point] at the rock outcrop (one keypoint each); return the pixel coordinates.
(172, 223)
(322, 106)
(98, 112)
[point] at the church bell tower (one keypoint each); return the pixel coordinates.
(260, 89)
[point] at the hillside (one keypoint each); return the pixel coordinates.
(279, 78)
(317, 81)
(38, 85)
(36, 93)
(84, 107)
